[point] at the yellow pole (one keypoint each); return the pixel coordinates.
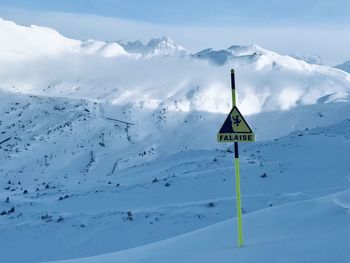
(238, 181)
(239, 207)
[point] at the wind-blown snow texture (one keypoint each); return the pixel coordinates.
(108, 153)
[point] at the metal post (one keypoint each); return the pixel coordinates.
(238, 183)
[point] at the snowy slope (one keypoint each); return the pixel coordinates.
(102, 150)
(309, 231)
(187, 190)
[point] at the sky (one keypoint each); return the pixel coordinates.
(289, 27)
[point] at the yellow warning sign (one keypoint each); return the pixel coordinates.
(235, 128)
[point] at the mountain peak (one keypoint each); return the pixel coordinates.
(153, 42)
(164, 46)
(155, 47)
(220, 57)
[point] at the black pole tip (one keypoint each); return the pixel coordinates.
(232, 71)
(236, 150)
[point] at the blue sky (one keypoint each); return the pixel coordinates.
(201, 12)
(300, 27)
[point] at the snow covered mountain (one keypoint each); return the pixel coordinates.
(155, 47)
(311, 59)
(345, 66)
(111, 148)
(22, 42)
(77, 68)
(105, 49)
(252, 54)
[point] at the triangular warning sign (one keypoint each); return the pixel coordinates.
(235, 128)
